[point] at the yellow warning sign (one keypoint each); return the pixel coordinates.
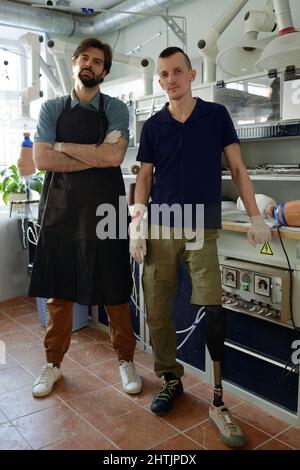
(266, 249)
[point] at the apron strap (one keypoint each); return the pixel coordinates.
(101, 115)
(68, 103)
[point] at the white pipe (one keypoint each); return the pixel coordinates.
(50, 77)
(208, 45)
(259, 21)
(145, 64)
(58, 49)
(209, 70)
(228, 15)
(32, 43)
(283, 14)
(64, 74)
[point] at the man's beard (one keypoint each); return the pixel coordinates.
(90, 82)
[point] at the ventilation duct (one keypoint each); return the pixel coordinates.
(54, 22)
(35, 19)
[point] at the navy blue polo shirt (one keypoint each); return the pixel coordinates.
(187, 157)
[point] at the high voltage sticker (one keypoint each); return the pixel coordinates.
(266, 249)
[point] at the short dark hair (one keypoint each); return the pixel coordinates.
(97, 44)
(173, 50)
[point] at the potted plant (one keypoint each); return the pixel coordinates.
(13, 185)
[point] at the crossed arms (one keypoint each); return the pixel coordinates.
(78, 157)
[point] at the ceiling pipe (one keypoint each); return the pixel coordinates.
(56, 22)
(145, 64)
(208, 44)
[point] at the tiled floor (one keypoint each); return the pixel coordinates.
(88, 409)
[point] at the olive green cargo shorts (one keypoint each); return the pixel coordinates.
(162, 260)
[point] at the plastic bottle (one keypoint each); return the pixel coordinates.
(25, 162)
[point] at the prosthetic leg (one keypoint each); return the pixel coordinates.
(215, 334)
(230, 432)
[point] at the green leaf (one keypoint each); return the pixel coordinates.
(36, 185)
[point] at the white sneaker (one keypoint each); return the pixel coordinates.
(47, 378)
(132, 382)
(230, 432)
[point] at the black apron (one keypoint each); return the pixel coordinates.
(71, 262)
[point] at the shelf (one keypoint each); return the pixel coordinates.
(285, 232)
(268, 177)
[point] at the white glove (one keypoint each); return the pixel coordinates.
(138, 232)
(259, 232)
(112, 137)
(137, 243)
(57, 146)
(138, 212)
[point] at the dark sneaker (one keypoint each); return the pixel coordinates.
(230, 432)
(172, 388)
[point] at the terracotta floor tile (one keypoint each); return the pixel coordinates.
(74, 384)
(208, 436)
(35, 365)
(138, 430)
(87, 440)
(109, 371)
(18, 403)
(197, 433)
(20, 310)
(144, 358)
(11, 303)
(9, 362)
(274, 444)
(189, 379)
(10, 439)
(187, 411)
(13, 378)
(30, 300)
(49, 426)
(90, 354)
(30, 320)
(37, 330)
(27, 353)
(254, 437)
(181, 442)
(80, 340)
(8, 326)
(102, 406)
(205, 391)
(19, 338)
(290, 437)
(93, 389)
(3, 317)
(259, 419)
(95, 333)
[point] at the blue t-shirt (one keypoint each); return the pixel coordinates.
(116, 112)
(187, 158)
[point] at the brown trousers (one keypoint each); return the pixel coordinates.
(59, 330)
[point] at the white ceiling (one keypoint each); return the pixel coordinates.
(74, 5)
